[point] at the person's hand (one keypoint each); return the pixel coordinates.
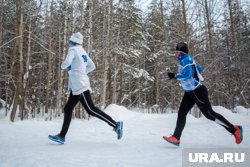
(171, 75)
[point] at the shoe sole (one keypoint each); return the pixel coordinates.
(241, 132)
(58, 141)
(176, 144)
(121, 133)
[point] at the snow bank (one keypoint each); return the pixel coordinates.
(242, 110)
(236, 118)
(2, 112)
(121, 113)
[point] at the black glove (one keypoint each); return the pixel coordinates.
(171, 75)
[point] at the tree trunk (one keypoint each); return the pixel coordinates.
(109, 48)
(105, 62)
(156, 81)
(1, 25)
(28, 62)
(232, 54)
(19, 44)
(82, 16)
(209, 26)
(90, 2)
(1, 42)
(185, 28)
(47, 98)
(61, 74)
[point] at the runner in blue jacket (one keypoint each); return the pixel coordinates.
(79, 64)
(195, 93)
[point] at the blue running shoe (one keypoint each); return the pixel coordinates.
(57, 138)
(119, 129)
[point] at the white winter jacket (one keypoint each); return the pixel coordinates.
(79, 64)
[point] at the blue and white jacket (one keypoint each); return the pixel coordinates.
(79, 64)
(189, 73)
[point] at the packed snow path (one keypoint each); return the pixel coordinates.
(94, 144)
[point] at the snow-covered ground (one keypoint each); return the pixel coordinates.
(93, 143)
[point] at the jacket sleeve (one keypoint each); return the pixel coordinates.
(186, 73)
(200, 69)
(90, 66)
(67, 62)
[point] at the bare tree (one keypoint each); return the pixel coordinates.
(48, 85)
(19, 55)
(27, 64)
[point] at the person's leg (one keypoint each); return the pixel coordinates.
(186, 104)
(88, 104)
(68, 109)
(200, 96)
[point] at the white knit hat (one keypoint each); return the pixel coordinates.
(77, 38)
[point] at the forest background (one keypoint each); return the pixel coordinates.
(132, 46)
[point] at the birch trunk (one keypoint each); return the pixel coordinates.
(231, 51)
(28, 61)
(47, 104)
(62, 56)
(105, 63)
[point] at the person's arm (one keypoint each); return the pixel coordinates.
(67, 62)
(200, 69)
(90, 66)
(186, 73)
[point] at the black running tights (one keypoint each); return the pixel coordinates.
(87, 103)
(200, 97)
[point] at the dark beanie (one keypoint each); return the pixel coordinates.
(182, 47)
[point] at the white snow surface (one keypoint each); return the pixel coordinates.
(92, 143)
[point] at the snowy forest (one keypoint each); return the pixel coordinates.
(132, 46)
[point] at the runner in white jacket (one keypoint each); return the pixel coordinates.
(80, 64)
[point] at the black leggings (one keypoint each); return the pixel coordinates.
(200, 97)
(87, 103)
